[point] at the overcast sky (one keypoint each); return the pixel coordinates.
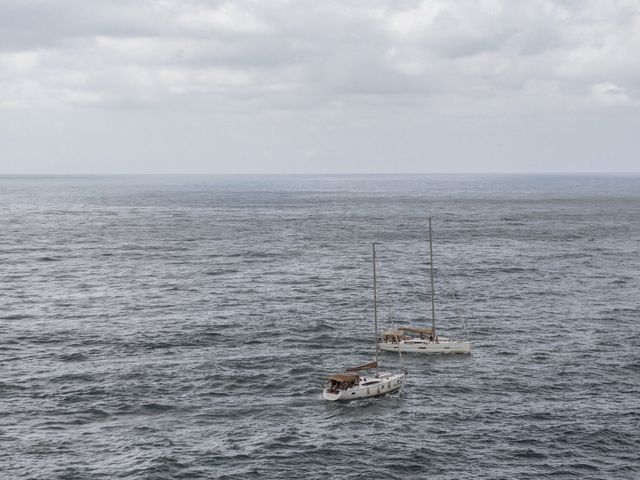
(324, 86)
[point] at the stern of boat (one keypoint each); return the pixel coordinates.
(331, 396)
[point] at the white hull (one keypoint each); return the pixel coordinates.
(426, 346)
(368, 387)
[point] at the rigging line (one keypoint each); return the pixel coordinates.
(457, 307)
(390, 304)
(393, 325)
(385, 296)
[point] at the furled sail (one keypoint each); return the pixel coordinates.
(366, 366)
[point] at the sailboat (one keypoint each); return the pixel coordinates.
(423, 339)
(351, 385)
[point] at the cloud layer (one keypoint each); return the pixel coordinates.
(282, 58)
(462, 54)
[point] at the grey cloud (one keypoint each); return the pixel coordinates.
(319, 64)
(333, 47)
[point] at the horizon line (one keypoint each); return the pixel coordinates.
(300, 174)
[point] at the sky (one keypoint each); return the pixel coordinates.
(330, 86)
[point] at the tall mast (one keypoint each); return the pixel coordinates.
(375, 306)
(433, 300)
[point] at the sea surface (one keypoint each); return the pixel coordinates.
(166, 327)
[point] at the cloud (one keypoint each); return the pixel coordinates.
(609, 94)
(463, 56)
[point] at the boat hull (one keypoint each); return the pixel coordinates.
(451, 346)
(387, 384)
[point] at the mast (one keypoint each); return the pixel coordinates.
(433, 300)
(375, 306)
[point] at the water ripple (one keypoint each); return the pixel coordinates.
(182, 327)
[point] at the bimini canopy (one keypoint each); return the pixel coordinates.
(344, 377)
(424, 330)
(366, 366)
(392, 333)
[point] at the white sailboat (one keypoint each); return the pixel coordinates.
(423, 339)
(350, 385)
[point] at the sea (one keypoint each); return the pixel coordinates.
(182, 327)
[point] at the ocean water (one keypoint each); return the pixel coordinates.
(181, 327)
